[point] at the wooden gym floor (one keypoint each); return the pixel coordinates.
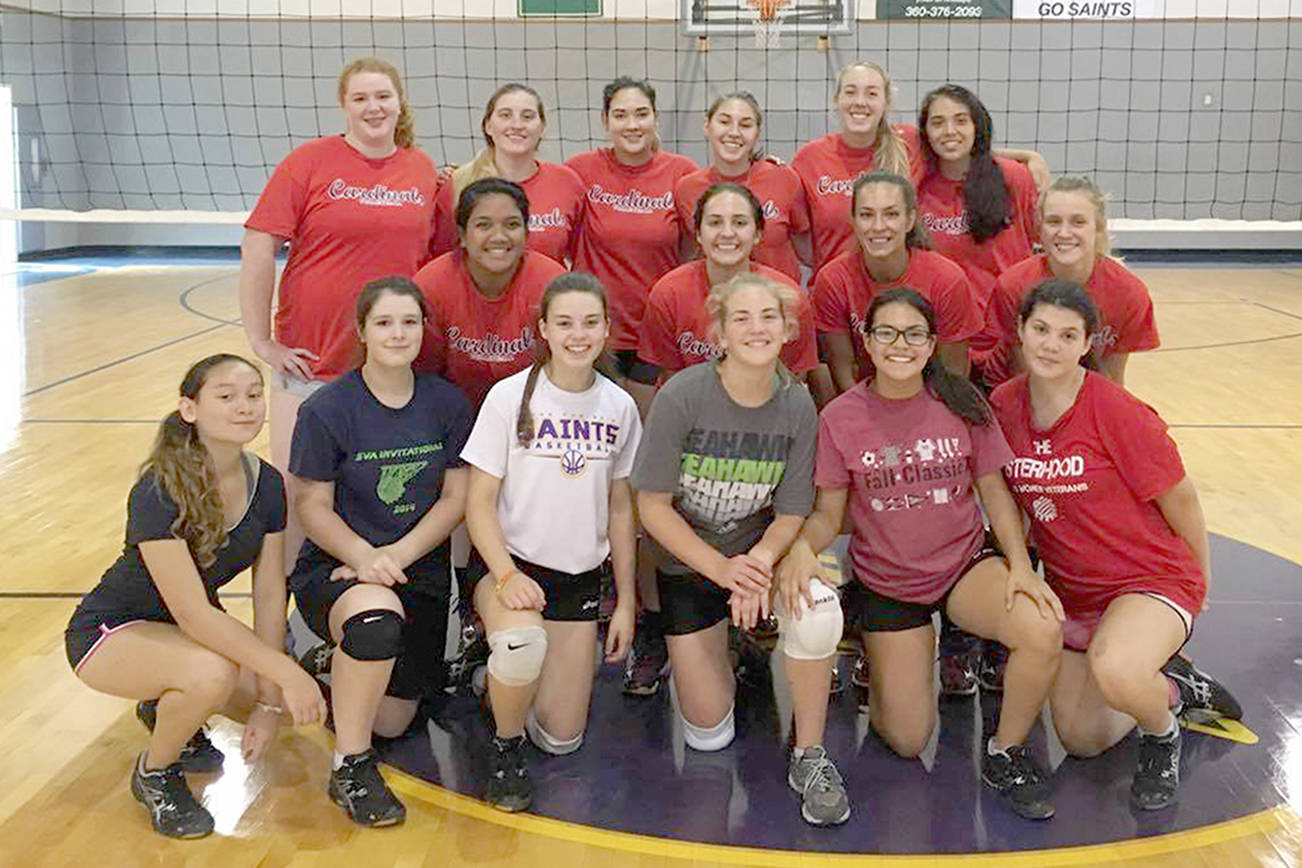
(90, 356)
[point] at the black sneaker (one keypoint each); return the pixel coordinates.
(509, 787)
(172, 807)
(316, 660)
(1014, 773)
(199, 755)
(1157, 775)
(1200, 693)
(356, 786)
(990, 667)
(647, 664)
(958, 673)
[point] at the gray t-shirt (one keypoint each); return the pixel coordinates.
(730, 467)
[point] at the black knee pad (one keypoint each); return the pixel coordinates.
(375, 634)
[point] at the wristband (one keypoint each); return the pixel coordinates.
(501, 581)
(265, 706)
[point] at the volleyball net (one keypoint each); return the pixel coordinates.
(140, 109)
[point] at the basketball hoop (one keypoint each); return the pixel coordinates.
(767, 15)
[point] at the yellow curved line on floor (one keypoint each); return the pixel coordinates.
(1269, 820)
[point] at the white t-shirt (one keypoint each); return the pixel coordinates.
(555, 496)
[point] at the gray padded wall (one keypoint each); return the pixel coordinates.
(155, 113)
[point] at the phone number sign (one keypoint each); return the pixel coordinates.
(945, 10)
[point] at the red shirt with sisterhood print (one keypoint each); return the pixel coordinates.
(629, 235)
(1126, 322)
(909, 466)
(676, 327)
(349, 220)
(782, 198)
(471, 339)
(555, 205)
(1088, 482)
(828, 169)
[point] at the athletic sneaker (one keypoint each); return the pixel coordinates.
(647, 663)
(199, 755)
(991, 664)
(357, 787)
(509, 787)
(1199, 692)
(1014, 773)
(859, 678)
(316, 660)
(822, 792)
(1157, 775)
(958, 673)
(172, 807)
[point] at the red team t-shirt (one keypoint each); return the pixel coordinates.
(782, 197)
(1088, 483)
(828, 169)
(555, 205)
(472, 340)
(629, 234)
(1126, 322)
(843, 290)
(349, 220)
(676, 327)
(909, 467)
(943, 213)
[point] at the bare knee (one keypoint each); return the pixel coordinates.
(1115, 675)
(1031, 633)
(213, 677)
(905, 733)
(393, 717)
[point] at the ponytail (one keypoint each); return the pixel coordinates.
(182, 467)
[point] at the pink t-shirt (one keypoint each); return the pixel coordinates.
(555, 204)
(472, 340)
(676, 327)
(909, 466)
(782, 197)
(1088, 483)
(349, 220)
(1126, 317)
(828, 169)
(629, 235)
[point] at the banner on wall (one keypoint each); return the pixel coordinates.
(944, 10)
(1084, 10)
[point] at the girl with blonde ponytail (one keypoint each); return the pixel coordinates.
(202, 511)
(513, 124)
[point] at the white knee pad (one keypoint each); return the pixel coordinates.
(711, 738)
(516, 656)
(814, 636)
(548, 743)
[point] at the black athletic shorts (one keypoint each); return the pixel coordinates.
(570, 596)
(418, 671)
(84, 635)
(690, 603)
(872, 612)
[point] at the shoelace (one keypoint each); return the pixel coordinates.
(1024, 771)
(823, 776)
(1154, 759)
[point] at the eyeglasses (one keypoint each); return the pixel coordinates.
(886, 335)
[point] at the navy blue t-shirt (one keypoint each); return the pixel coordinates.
(127, 592)
(386, 463)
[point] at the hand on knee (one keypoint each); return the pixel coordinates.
(375, 634)
(548, 743)
(517, 654)
(816, 633)
(1036, 635)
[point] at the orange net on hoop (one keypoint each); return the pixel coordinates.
(768, 9)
